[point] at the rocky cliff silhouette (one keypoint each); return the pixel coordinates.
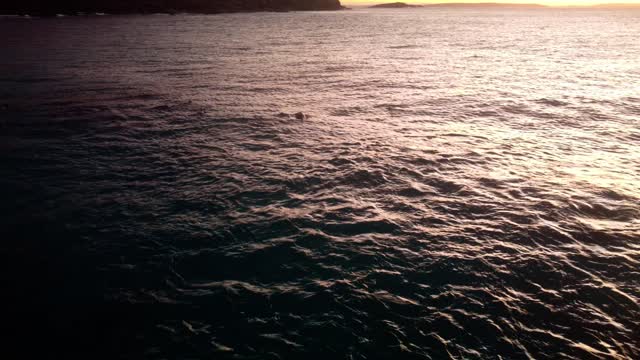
(52, 7)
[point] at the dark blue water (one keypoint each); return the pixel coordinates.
(464, 184)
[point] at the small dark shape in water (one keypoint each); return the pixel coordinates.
(301, 116)
(552, 102)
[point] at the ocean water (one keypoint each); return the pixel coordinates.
(464, 184)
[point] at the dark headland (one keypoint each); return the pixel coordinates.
(71, 7)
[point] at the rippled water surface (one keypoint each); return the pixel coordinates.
(466, 183)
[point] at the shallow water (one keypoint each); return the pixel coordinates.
(466, 184)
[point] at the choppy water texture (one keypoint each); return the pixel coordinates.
(466, 184)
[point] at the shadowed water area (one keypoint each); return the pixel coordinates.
(465, 185)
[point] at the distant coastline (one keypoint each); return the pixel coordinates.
(486, 5)
(72, 7)
(617, 6)
(402, 5)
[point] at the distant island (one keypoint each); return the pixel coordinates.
(402, 5)
(395, 5)
(73, 7)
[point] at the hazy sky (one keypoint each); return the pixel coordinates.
(545, 2)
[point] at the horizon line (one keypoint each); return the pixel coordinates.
(435, 3)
